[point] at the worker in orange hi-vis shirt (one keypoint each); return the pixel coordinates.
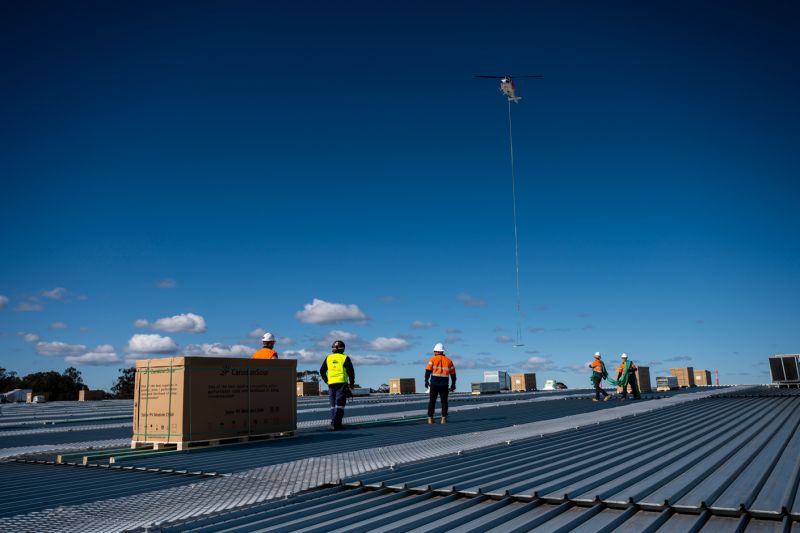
(438, 373)
(267, 352)
(598, 375)
(626, 375)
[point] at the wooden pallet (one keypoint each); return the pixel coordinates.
(185, 445)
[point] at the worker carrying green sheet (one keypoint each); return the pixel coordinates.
(626, 376)
(599, 373)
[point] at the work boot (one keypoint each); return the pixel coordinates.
(595, 400)
(444, 420)
(430, 420)
(606, 398)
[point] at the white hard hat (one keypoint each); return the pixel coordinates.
(439, 347)
(268, 337)
(624, 356)
(597, 355)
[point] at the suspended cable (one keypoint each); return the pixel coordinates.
(516, 233)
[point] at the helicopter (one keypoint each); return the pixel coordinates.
(507, 85)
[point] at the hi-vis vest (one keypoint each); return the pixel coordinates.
(336, 370)
(265, 353)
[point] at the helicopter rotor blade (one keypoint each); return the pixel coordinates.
(536, 76)
(492, 77)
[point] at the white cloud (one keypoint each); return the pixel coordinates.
(30, 337)
(371, 360)
(452, 339)
(388, 344)
(470, 301)
(144, 343)
(452, 330)
(420, 324)
(538, 363)
(29, 306)
(167, 284)
(286, 341)
(218, 349)
(304, 356)
(322, 312)
(58, 325)
(60, 349)
(59, 293)
(579, 369)
(478, 362)
(389, 298)
(94, 359)
(257, 333)
(679, 358)
(3, 301)
(101, 355)
(183, 323)
(336, 335)
(503, 339)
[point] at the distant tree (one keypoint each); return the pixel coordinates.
(8, 380)
(383, 388)
(309, 376)
(64, 386)
(73, 374)
(123, 388)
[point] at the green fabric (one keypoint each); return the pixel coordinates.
(622, 381)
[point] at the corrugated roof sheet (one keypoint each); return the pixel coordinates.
(727, 455)
(369, 435)
(26, 488)
(356, 510)
(736, 467)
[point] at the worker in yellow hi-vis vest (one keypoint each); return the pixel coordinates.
(337, 371)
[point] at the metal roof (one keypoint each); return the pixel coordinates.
(32, 487)
(355, 510)
(730, 462)
(369, 434)
(723, 454)
(642, 474)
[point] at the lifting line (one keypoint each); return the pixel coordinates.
(516, 237)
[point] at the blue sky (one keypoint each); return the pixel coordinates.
(208, 169)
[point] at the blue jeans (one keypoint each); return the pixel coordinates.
(338, 397)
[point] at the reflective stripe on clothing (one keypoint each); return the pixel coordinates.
(441, 365)
(336, 370)
(265, 353)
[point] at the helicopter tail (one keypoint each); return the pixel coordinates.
(514, 99)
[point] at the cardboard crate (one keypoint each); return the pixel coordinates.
(199, 399)
(402, 386)
(685, 376)
(643, 375)
(90, 395)
(702, 378)
(308, 388)
(523, 382)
